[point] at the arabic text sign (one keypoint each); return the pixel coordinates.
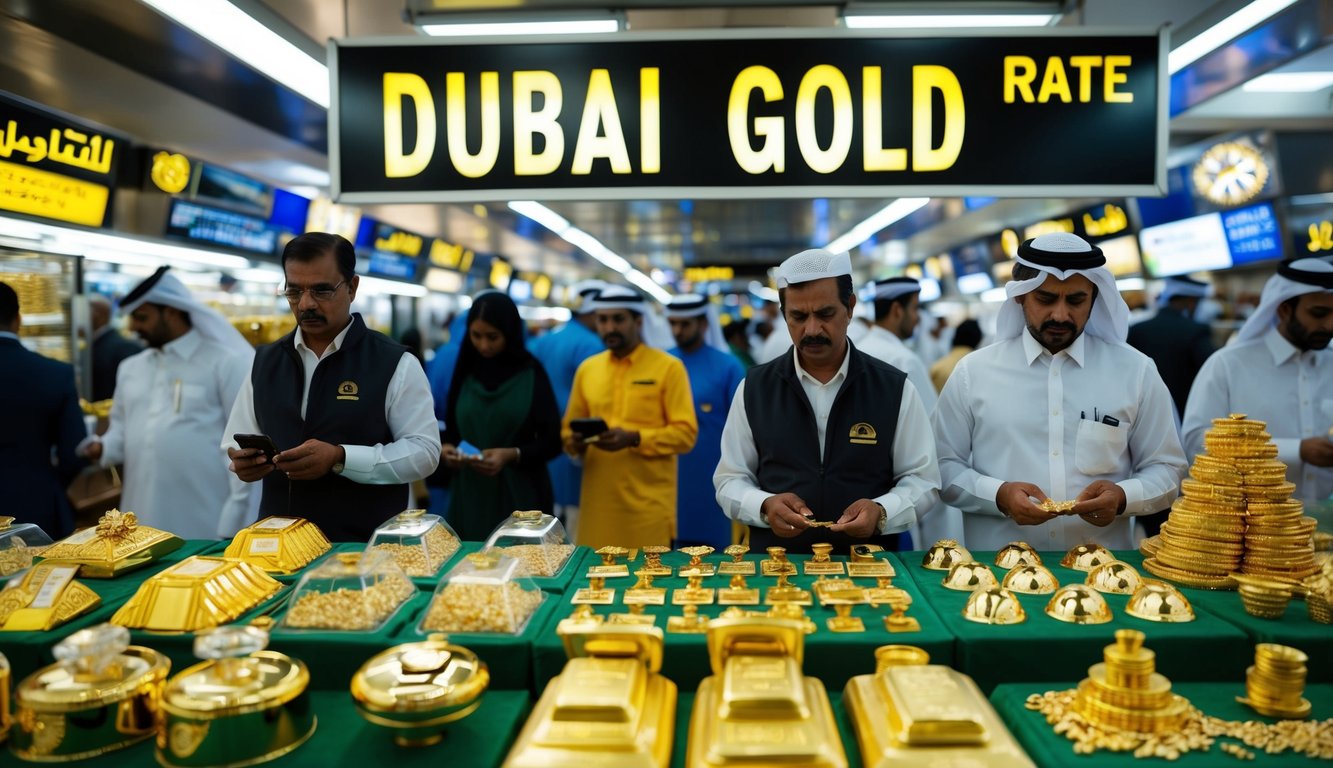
(778, 116)
(55, 168)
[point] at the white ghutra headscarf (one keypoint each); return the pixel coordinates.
(1064, 255)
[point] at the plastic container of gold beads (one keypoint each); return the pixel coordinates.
(351, 592)
(420, 543)
(487, 592)
(535, 538)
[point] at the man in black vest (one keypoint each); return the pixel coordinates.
(1175, 341)
(825, 444)
(349, 409)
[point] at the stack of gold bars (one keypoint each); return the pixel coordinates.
(1274, 686)
(1234, 515)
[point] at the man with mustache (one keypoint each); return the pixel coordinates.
(1059, 408)
(825, 443)
(628, 495)
(348, 408)
(1279, 371)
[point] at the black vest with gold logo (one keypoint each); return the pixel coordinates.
(858, 444)
(345, 407)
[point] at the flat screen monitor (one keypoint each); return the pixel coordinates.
(1252, 234)
(215, 226)
(1196, 244)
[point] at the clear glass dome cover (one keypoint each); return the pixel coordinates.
(19, 544)
(536, 538)
(488, 592)
(352, 591)
(419, 542)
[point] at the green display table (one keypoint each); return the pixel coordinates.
(1043, 648)
(342, 737)
(1295, 628)
(831, 656)
(1216, 699)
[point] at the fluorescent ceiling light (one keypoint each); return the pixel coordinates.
(379, 285)
(1130, 284)
(954, 21)
(1223, 32)
(994, 296)
(886, 216)
(260, 275)
(116, 249)
(646, 283)
(242, 36)
(482, 29)
(558, 314)
(1290, 82)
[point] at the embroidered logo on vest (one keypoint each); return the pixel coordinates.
(347, 391)
(863, 434)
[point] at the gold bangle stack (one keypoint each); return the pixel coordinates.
(1274, 686)
(1235, 514)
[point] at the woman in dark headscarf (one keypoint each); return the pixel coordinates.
(501, 404)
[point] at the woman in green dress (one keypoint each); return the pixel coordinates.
(501, 422)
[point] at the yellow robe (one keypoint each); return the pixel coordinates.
(629, 497)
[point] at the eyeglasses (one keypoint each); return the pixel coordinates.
(318, 293)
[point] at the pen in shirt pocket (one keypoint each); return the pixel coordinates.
(178, 395)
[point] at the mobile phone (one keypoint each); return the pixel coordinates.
(587, 428)
(262, 442)
(468, 450)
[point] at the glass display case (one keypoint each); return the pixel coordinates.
(488, 592)
(54, 315)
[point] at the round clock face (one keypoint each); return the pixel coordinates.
(1230, 173)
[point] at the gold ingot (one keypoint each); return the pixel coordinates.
(116, 545)
(1158, 601)
(943, 554)
(102, 695)
(1078, 604)
(969, 577)
(609, 706)
(1031, 580)
(994, 606)
(1085, 557)
(910, 712)
(281, 545)
(757, 708)
(1114, 578)
(1016, 553)
(196, 593)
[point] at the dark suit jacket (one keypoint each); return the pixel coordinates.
(108, 350)
(39, 410)
(1178, 345)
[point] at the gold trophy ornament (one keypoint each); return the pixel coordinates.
(694, 592)
(595, 593)
(864, 563)
(737, 592)
(821, 563)
(914, 713)
(282, 545)
(697, 566)
(758, 708)
(610, 569)
(777, 563)
(842, 600)
(101, 695)
(738, 564)
(416, 689)
(652, 560)
(116, 545)
(608, 707)
(689, 622)
(242, 705)
(643, 592)
(786, 592)
(898, 620)
(44, 598)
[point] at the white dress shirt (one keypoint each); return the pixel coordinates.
(1270, 380)
(408, 407)
(1012, 411)
(885, 346)
(775, 344)
(168, 414)
(917, 478)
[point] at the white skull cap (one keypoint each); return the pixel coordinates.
(814, 264)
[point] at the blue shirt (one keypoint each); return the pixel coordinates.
(714, 376)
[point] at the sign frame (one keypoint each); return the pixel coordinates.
(766, 192)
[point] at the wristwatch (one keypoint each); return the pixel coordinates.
(883, 518)
(337, 467)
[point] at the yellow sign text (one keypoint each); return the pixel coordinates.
(51, 195)
(1020, 72)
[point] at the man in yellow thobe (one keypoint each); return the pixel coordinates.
(643, 394)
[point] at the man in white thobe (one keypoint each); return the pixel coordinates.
(897, 303)
(1058, 408)
(1280, 372)
(170, 408)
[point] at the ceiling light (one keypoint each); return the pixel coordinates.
(953, 21)
(379, 285)
(116, 249)
(1223, 32)
(886, 216)
(483, 29)
(645, 282)
(1290, 82)
(242, 36)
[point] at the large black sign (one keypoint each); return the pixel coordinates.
(840, 114)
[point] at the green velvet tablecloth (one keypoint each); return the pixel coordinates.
(343, 738)
(831, 656)
(1043, 648)
(1295, 628)
(1216, 699)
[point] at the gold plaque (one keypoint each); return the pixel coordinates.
(282, 545)
(46, 597)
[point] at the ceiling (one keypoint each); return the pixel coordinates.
(119, 63)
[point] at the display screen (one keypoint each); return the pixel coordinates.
(1252, 234)
(233, 190)
(290, 211)
(520, 290)
(214, 226)
(1196, 244)
(976, 282)
(1122, 255)
(391, 265)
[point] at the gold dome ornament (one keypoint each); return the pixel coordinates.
(969, 577)
(943, 554)
(1085, 557)
(417, 689)
(1114, 578)
(1078, 604)
(1159, 601)
(1031, 580)
(994, 605)
(242, 705)
(1016, 553)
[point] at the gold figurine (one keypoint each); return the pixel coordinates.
(777, 562)
(696, 564)
(595, 593)
(694, 593)
(786, 592)
(610, 569)
(689, 622)
(643, 592)
(738, 562)
(865, 564)
(821, 563)
(652, 557)
(737, 593)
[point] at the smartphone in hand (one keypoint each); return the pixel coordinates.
(263, 442)
(588, 429)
